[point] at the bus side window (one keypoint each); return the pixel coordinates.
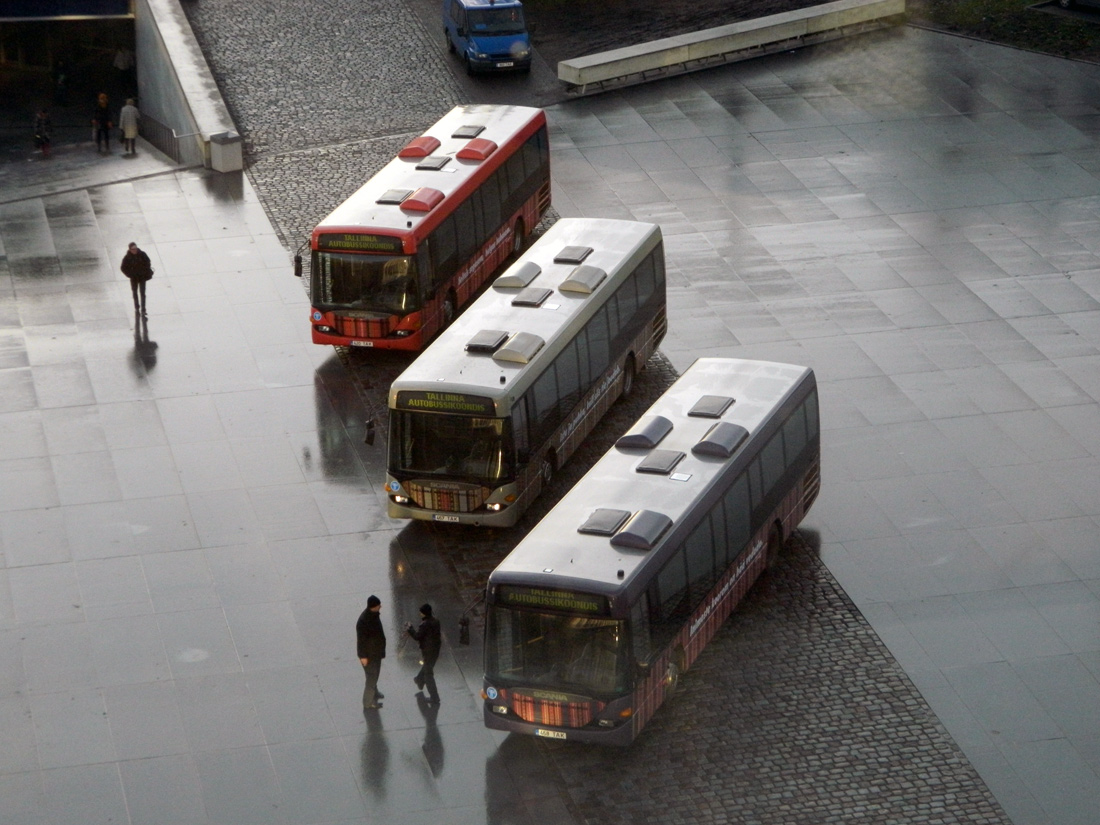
(811, 415)
(516, 176)
(639, 629)
(445, 251)
(647, 281)
(490, 203)
(673, 588)
(569, 377)
(771, 459)
(627, 299)
(721, 546)
(481, 230)
(585, 363)
(756, 491)
(699, 550)
(531, 157)
(520, 432)
(794, 433)
(545, 394)
(464, 230)
(599, 343)
(738, 515)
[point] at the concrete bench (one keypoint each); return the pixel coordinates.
(727, 44)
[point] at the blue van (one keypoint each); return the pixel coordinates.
(490, 35)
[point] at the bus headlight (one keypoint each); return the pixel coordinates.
(500, 709)
(496, 507)
(324, 329)
(402, 333)
(400, 499)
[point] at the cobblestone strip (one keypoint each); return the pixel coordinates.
(298, 74)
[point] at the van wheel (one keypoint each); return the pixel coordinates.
(450, 43)
(469, 68)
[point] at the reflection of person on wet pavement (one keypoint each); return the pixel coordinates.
(433, 742)
(145, 351)
(430, 641)
(370, 640)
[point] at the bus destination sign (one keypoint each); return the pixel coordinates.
(357, 242)
(445, 402)
(515, 596)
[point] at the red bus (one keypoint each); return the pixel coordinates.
(393, 264)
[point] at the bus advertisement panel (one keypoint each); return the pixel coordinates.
(597, 612)
(486, 414)
(395, 262)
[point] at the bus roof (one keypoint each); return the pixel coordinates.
(555, 555)
(475, 128)
(447, 365)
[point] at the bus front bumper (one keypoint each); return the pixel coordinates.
(506, 517)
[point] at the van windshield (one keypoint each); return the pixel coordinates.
(496, 21)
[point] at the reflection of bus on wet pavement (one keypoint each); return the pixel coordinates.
(485, 415)
(394, 263)
(594, 616)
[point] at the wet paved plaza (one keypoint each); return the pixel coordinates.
(191, 520)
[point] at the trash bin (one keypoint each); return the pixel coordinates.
(225, 152)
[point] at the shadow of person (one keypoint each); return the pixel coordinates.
(144, 356)
(374, 755)
(433, 742)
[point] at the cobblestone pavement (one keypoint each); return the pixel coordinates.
(796, 713)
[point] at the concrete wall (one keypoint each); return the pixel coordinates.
(175, 85)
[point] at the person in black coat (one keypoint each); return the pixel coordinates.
(370, 642)
(137, 267)
(430, 640)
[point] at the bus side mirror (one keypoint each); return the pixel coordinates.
(464, 630)
(297, 266)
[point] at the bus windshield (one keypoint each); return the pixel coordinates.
(571, 653)
(496, 21)
(444, 445)
(375, 283)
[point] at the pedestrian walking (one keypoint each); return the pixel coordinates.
(430, 641)
(43, 132)
(128, 120)
(101, 123)
(370, 642)
(136, 267)
(124, 63)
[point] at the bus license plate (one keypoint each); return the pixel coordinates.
(550, 734)
(362, 343)
(505, 65)
(437, 517)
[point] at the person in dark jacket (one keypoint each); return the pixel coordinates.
(370, 642)
(101, 123)
(430, 640)
(136, 267)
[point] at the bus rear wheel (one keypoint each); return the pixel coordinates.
(674, 672)
(449, 304)
(628, 376)
(517, 239)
